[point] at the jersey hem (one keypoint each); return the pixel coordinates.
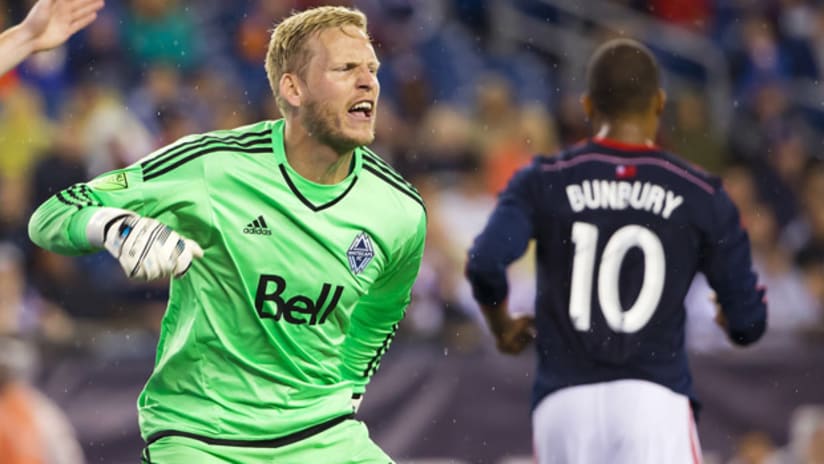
(268, 443)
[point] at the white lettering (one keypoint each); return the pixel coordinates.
(619, 195)
(613, 195)
(639, 195)
(655, 200)
(576, 197)
(605, 194)
(673, 201)
(624, 192)
(590, 195)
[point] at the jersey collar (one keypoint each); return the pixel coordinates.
(315, 196)
(624, 146)
(279, 151)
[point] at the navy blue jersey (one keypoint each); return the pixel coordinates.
(620, 233)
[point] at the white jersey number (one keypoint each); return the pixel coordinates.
(585, 237)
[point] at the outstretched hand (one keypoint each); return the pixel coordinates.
(52, 22)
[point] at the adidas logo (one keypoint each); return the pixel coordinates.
(257, 227)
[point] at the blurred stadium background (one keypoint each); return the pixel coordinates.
(470, 89)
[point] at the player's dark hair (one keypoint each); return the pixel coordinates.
(622, 78)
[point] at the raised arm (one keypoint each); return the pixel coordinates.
(48, 24)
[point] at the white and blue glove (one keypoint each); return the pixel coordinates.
(356, 401)
(146, 248)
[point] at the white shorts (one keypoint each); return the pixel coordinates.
(619, 422)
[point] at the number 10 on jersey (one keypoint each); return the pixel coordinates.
(585, 237)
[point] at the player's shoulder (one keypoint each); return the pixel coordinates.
(631, 159)
(390, 186)
(542, 161)
(235, 140)
(692, 172)
(194, 150)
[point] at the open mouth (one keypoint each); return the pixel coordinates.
(362, 109)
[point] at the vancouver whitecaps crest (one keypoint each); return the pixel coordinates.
(360, 253)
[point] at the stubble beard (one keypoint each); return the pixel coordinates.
(323, 125)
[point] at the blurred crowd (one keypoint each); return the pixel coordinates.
(459, 114)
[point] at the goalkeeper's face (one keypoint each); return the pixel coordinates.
(341, 89)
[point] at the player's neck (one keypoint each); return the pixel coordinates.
(631, 132)
(313, 160)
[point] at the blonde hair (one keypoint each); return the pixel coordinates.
(287, 47)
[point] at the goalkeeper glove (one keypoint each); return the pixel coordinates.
(146, 249)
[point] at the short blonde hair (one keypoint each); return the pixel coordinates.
(287, 47)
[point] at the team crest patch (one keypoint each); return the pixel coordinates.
(360, 253)
(116, 181)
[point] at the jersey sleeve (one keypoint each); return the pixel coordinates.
(59, 224)
(376, 317)
(727, 263)
(504, 239)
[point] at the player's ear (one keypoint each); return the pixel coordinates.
(586, 103)
(660, 101)
(289, 88)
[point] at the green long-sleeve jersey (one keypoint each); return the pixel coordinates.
(298, 294)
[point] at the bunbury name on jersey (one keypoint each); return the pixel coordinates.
(621, 231)
(612, 194)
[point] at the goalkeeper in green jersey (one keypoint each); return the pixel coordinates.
(291, 250)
